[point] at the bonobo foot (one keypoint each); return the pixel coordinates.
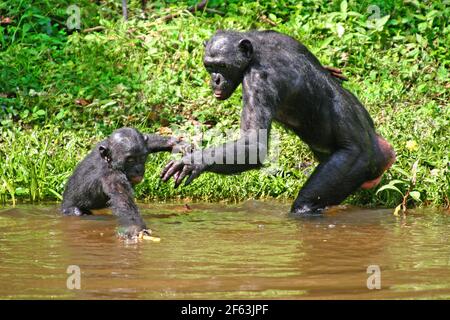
(75, 211)
(304, 210)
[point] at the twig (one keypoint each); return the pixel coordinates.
(265, 19)
(220, 13)
(97, 28)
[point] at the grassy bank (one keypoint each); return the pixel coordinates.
(60, 91)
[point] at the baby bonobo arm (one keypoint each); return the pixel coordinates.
(121, 201)
(157, 143)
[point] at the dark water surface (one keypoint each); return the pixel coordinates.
(245, 251)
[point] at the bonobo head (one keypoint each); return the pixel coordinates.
(126, 150)
(227, 56)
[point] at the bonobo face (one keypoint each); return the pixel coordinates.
(226, 58)
(126, 150)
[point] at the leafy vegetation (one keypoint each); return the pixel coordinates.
(61, 90)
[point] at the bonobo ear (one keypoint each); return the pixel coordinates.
(105, 153)
(246, 47)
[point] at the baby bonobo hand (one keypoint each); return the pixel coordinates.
(156, 143)
(132, 232)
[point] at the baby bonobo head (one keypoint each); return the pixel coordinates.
(126, 150)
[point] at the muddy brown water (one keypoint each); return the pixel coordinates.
(251, 250)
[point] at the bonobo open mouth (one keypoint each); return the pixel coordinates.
(136, 179)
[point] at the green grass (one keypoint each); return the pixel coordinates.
(60, 91)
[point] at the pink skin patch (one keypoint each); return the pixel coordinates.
(371, 183)
(387, 151)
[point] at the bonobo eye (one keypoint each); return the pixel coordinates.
(209, 68)
(215, 67)
(130, 160)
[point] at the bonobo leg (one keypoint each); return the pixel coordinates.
(332, 181)
(75, 211)
(387, 155)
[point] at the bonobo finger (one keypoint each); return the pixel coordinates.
(166, 168)
(186, 170)
(169, 170)
(194, 175)
(130, 231)
(340, 76)
(333, 69)
(177, 166)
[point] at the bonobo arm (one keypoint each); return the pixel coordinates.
(120, 193)
(240, 155)
(157, 143)
(250, 150)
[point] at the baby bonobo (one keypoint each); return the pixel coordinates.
(106, 176)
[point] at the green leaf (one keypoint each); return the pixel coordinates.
(344, 6)
(397, 209)
(272, 17)
(381, 22)
(40, 113)
(326, 42)
(340, 30)
(60, 115)
(389, 187)
(421, 40)
(401, 171)
(397, 181)
(109, 104)
(415, 195)
(56, 194)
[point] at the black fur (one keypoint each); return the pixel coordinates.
(285, 82)
(104, 178)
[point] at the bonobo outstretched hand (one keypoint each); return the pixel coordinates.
(180, 169)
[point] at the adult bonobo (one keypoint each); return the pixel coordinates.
(285, 82)
(105, 178)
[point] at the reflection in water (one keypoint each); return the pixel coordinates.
(251, 250)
